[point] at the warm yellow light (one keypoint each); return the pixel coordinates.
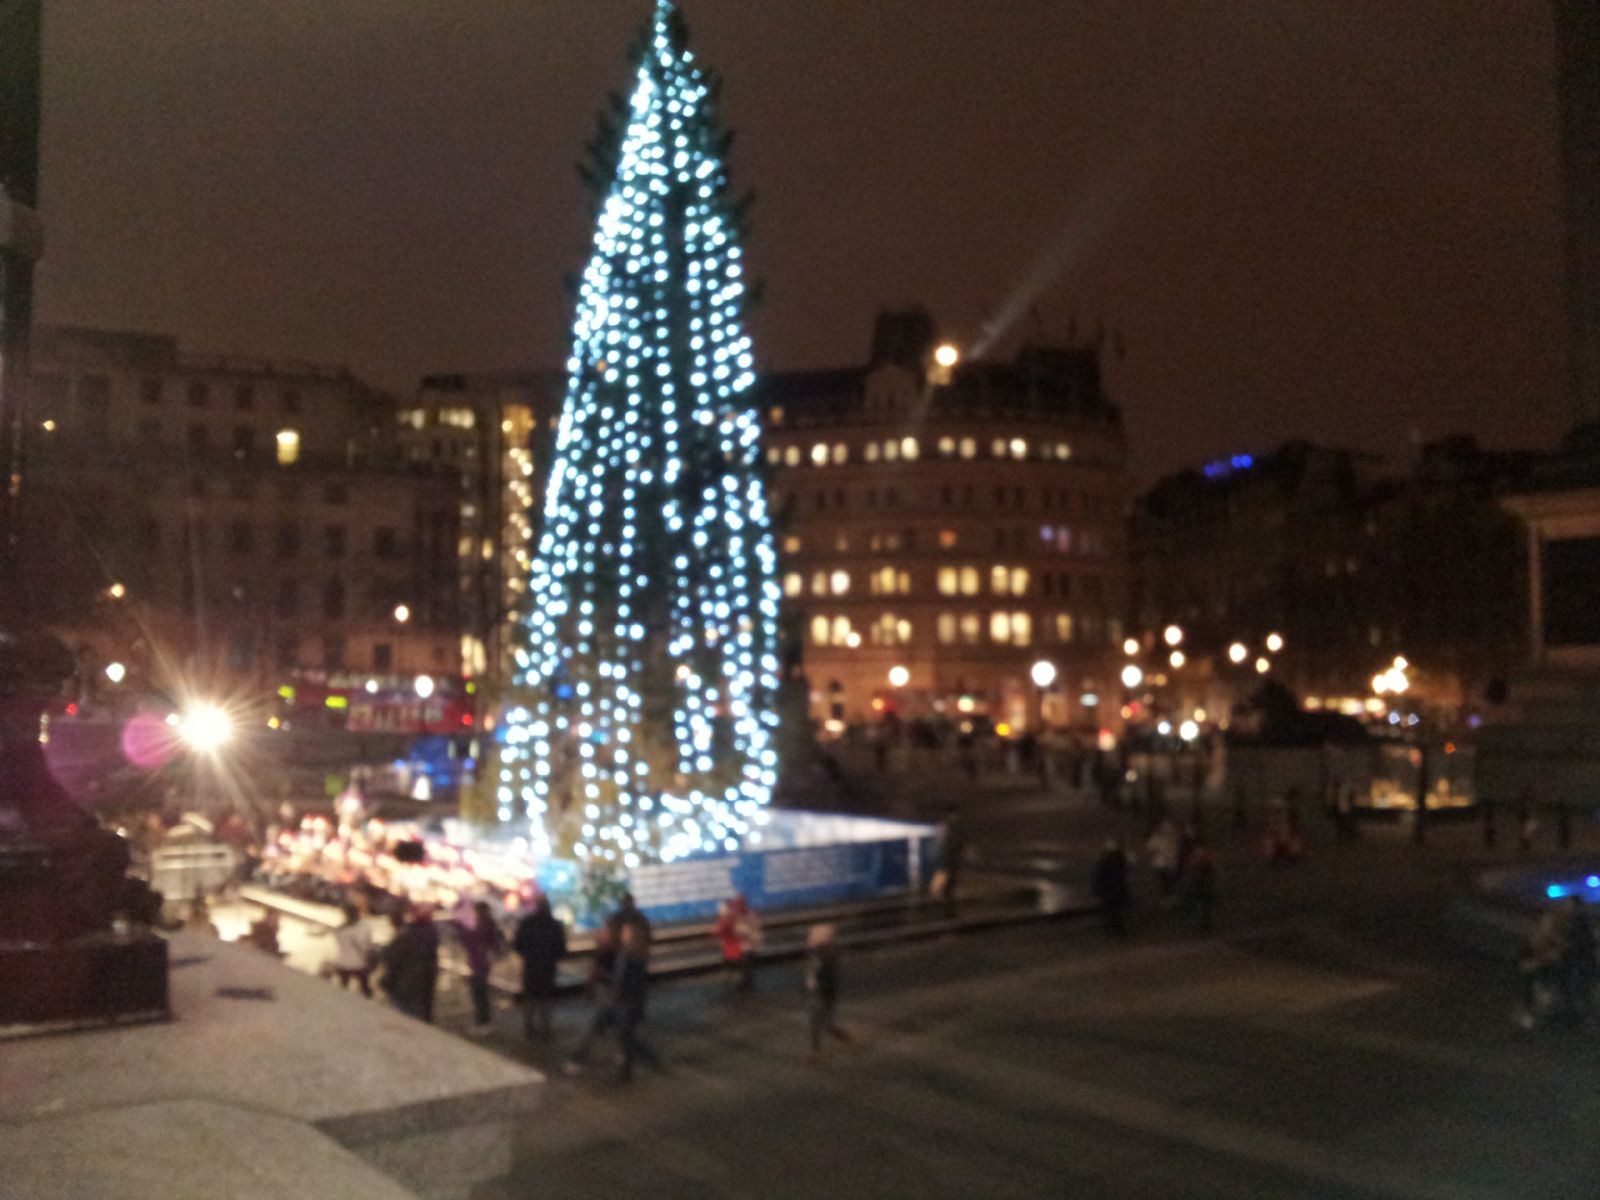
(424, 686)
(1380, 682)
(1130, 646)
(1043, 673)
(49, 426)
(402, 613)
(1263, 665)
(1199, 714)
(853, 640)
(1132, 676)
(1274, 642)
(1237, 653)
(1177, 659)
(965, 704)
(1172, 635)
(116, 672)
(1400, 663)
(1003, 729)
(1188, 731)
(116, 591)
(947, 356)
(899, 676)
(288, 447)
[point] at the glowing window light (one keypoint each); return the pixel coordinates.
(288, 447)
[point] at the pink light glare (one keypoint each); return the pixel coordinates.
(147, 742)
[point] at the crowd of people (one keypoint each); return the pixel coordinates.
(1184, 870)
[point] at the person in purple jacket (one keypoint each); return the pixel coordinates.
(483, 942)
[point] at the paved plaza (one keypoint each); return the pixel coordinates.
(1326, 1041)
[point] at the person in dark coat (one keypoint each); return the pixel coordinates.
(411, 965)
(952, 851)
(630, 987)
(629, 913)
(602, 972)
(1111, 888)
(541, 940)
(822, 986)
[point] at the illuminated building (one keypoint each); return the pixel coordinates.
(491, 432)
(960, 519)
(234, 518)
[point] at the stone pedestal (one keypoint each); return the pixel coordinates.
(96, 979)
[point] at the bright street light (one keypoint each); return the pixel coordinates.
(899, 676)
(1043, 673)
(116, 672)
(1177, 659)
(1274, 642)
(1263, 665)
(402, 613)
(1130, 647)
(117, 591)
(1172, 635)
(947, 356)
(206, 728)
(1132, 676)
(1188, 731)
(424, 686)
(1237, 653)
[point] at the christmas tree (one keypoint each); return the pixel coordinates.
(648, 681)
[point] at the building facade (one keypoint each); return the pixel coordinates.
(1325, 568)
(493, 433)
(944, 526)
(216, 521)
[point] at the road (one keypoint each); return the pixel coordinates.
(1325, 1042)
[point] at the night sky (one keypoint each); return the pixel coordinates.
(1335, 219)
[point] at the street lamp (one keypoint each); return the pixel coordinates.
(116, 672)
(1274, 642)
(1177, 659)
(1130, 647)
(402, 613)
(1043, 674)
(207, 728)
(1237, 653)
(424, 686)
(946, 356)
(899, 676)
(1132, 676)
(1172, 635)
(1263, 665)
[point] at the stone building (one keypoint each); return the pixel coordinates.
(945, 525)
(227, 520)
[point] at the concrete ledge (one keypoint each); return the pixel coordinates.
(251, 1034)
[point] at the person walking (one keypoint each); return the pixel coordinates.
(630, 988)
(952, 850)
(822, 986)
(629, 913)
(352, 955)
(1162, 850)
(738, 933)
(602, 968)
(411, 964)
(1111, 888)
(541, 940)
(481, 939)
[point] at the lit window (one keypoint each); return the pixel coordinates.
(1021, 629)
(947, 447)
(969, 581)
(971, 629)
(791, 544)
(1019, 448)
(999, 580)
(839, 582)
(288, 447)
(902, 629)
(841, 631)
(819, 454)
(819, 584)
(948, 629)
(904, 579)
(1000, 627)
(819, 631)
(1019, 581)
(1063, 451)
(909, 450)
(947, 539)
(791, 456)
(793, 584)
(774, 455)
(891, 450)
(841, 453)
(775, 414)
(949, 581)
(999, 448)
(872, 452)
(1063, 627)
(969, 448)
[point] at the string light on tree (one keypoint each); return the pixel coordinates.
(650, 669)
